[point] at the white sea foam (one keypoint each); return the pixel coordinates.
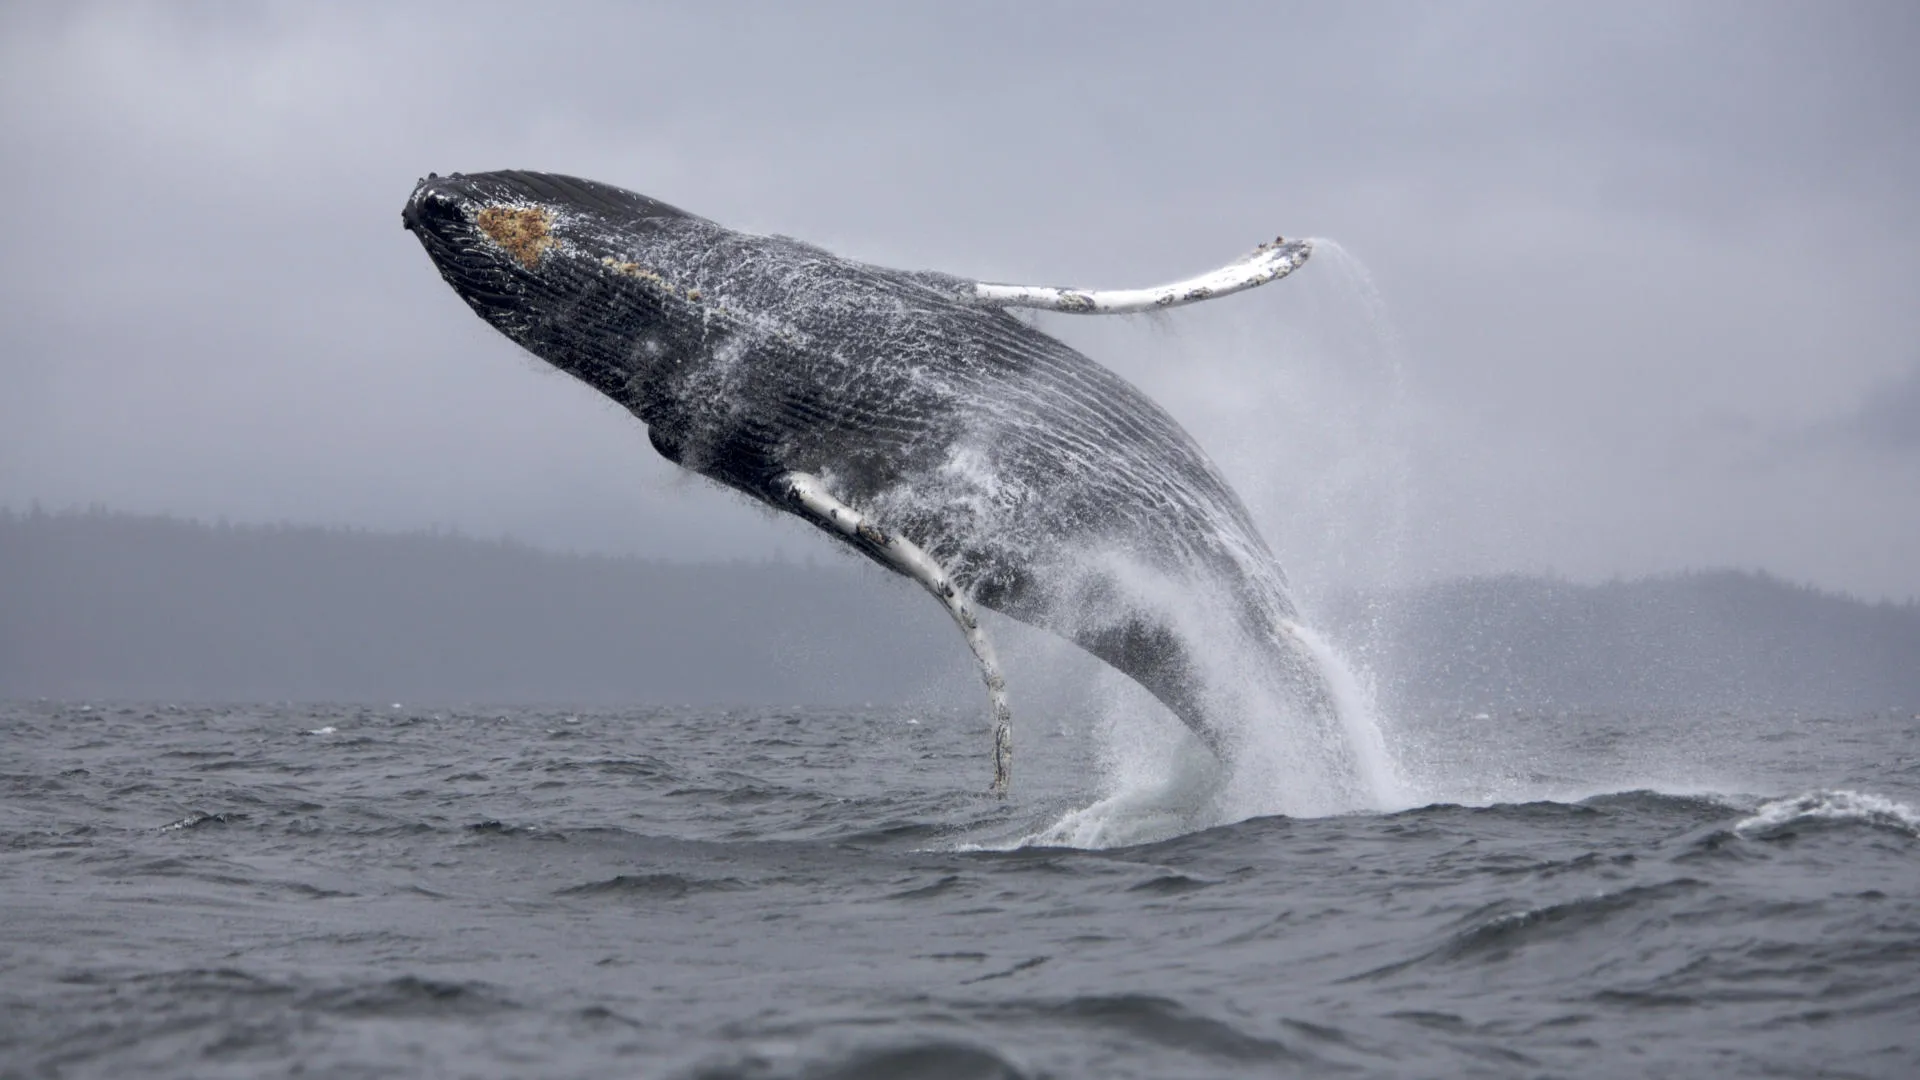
(1180, 796)
(1837, 805)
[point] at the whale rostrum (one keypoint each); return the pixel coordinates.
(906, 414)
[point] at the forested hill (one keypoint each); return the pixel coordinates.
(1709, 639)
(110, 605)
(101, 605)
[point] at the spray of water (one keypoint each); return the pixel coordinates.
(1300, 397)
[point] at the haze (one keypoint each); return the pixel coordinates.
(1648, 275)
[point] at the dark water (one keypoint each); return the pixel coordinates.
(217, 892)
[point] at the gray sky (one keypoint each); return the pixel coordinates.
(1647, 296)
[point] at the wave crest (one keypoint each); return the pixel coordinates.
(1839, 806)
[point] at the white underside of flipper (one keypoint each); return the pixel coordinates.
(811, 496)
(1268, 262)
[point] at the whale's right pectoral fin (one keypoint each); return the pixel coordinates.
(809, 496)
(1268, 262)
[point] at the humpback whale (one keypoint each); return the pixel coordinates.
(908, 414)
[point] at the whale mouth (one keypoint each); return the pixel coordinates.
(431, 208)
(452, 208)
(480, 245)
(496, 238)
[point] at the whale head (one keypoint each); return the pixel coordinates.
(552, 262)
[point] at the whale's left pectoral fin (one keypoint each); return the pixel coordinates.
(1268, 262)
(809, 496)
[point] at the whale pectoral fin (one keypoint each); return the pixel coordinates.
(1268, 262)
(809, 497)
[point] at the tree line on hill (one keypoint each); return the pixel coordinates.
(98, 605)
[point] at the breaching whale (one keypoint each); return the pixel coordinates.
(906, 413)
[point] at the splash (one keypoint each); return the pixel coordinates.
(1356, 704)
(1306, 412)
(1160, 782)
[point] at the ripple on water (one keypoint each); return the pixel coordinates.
(934, 1059)
(651, 886)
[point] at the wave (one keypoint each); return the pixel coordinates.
(1183, 807)
(411, 996)
(1504, 934)
(939, 1058)
(652, 886)
(1154, 1019)
(1837, 807)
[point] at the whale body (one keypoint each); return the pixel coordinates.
(907, 414)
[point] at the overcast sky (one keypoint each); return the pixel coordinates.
(1619, 288)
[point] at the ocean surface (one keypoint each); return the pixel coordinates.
(406, 891)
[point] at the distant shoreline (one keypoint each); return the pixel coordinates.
(104, 606)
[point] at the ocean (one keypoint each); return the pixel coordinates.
(201, 891)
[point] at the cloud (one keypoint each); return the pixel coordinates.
(1620, 248)
(1889, 418)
